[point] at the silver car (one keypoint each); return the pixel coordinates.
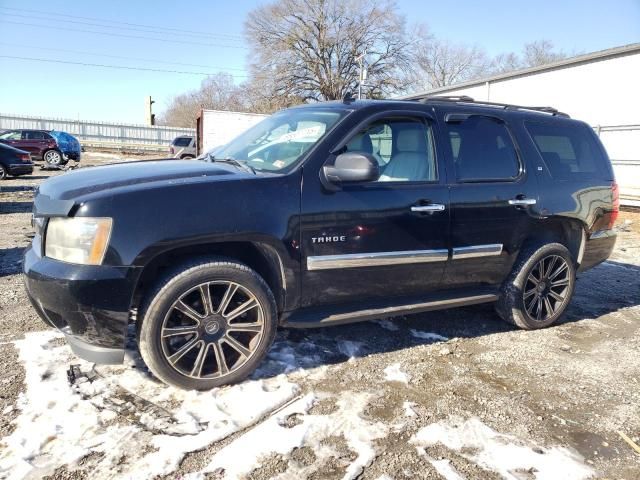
(183, 147)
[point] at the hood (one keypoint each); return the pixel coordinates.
(144, 174)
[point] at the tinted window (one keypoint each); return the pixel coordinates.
(182, 141)
(34, 135)
(403, 147)
(482, 149)
(569, 151)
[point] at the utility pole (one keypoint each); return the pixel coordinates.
(150, 117)
(363, 72)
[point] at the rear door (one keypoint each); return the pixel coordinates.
(382, 239)
(493, 197)
(33, 142)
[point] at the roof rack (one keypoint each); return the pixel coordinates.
(505, 106)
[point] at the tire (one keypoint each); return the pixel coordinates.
(530, 305)
(187, 157)
(3, 173)
(54, 158)
(172, 338)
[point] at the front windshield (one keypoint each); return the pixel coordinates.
(279, 141)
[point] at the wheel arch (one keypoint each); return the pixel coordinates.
(259, 256)
(570, 232)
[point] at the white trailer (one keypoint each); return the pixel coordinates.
(217, 127)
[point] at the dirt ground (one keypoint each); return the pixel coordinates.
(574, 385)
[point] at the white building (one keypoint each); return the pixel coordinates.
(601, 88)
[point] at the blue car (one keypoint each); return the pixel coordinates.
(54, 147)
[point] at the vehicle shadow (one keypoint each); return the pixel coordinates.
(15, 207)
(10, 261)
(607, 288)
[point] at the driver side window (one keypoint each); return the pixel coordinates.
(403, 148)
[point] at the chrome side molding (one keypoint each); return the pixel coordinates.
(376, 259)
(477, 251)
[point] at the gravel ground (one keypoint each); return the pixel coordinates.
(576, 384)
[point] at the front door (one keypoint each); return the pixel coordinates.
(493, 198)
(382, 239)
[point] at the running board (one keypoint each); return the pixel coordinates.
(340, 314)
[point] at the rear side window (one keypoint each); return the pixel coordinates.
(34, 135)
(482, 150)
(182, 141)
(569, 151)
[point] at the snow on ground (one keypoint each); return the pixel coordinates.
(504, 454)
(244, 454)
(427, 335)
(59, 425)
(393, 373)
(388, 325)
(123, 424)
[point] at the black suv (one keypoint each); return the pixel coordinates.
(320, 215)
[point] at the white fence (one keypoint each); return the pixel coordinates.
(101, 134)
(623, 146)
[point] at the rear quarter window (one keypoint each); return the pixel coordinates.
(570, 152)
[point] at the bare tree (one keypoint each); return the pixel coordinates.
(540, 52)
(534, 54)
(217, 92)
(439, 63)
(309, 48)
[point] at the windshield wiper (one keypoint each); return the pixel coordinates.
(233, 161)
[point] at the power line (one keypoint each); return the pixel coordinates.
(102, 25)
(121, 67)
(78, 52)
(110, 34)
(160, 27)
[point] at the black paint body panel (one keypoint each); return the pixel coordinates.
(158, 207)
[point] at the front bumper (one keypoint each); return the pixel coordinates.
(20, 169)
(89, 304)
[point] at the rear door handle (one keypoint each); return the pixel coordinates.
(522, 202)
(432, 207)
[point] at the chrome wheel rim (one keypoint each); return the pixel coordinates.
(547, 288)
(52, 157)
(212, 330)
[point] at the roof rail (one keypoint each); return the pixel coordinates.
(505, 106)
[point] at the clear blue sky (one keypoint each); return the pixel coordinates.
(73, 91)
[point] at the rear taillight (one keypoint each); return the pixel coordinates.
(26, 158)
(172, 150)
(615, 194)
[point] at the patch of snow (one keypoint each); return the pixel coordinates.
(247, 452)
(444, 468)
(59, 425)
(393, 374)
(388, 325)
(503, 454)
(350, 348)
(427, 335)
(409, 409)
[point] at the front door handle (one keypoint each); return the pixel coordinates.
(432, 207)
(522, 202)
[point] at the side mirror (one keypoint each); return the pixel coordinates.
(352, 167)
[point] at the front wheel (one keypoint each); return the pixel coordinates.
(210, 323)
(539, 288)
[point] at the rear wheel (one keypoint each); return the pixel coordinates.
(3, 172)
(53, 158)
(540, 287)
(210, 323)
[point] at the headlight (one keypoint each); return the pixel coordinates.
(82, 240)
